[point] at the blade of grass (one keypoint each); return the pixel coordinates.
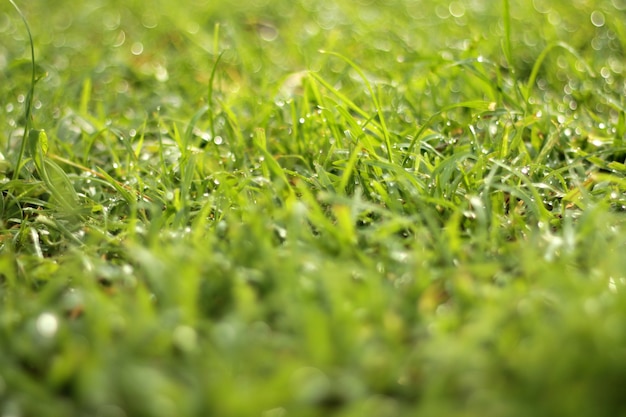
(269, 163)
(506, 42)
(211, 85)
(28, 103)
(349, 168)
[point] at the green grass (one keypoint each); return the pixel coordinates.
(313, 208)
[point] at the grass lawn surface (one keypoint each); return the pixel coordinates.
(313, 208)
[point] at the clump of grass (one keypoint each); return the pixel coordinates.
(207, 215)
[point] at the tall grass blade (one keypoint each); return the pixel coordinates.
(28, 104)
(507, 48)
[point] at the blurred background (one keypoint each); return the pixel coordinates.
(172, 46)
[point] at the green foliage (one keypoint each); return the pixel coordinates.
(312, 208)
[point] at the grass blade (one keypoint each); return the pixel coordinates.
(28, 103)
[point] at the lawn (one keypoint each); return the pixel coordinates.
(313, 208)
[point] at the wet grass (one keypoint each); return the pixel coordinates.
(381, 208)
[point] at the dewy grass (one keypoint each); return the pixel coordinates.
(209, 216)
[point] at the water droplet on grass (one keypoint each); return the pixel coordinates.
(400, 256)
(267, 32)
(136, 48)
(456, 9)
(597, 18)
(442, 12)
(121, 38)
(47, 324)
(161, 74)
(149, 21)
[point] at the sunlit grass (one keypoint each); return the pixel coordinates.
(313, 208)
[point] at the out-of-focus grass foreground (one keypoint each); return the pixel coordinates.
(313, 208)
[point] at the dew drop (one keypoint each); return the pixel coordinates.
(268, 32)
(161, 74)
(597, 18)
(136, 48)
(47, 324)
(121, 38)
(456, 9)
